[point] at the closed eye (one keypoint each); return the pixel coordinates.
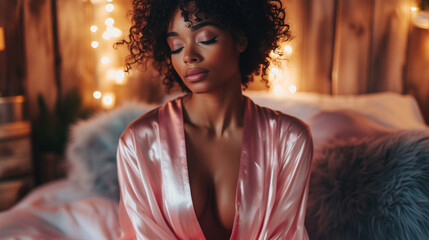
(211, 41)
(176, 51)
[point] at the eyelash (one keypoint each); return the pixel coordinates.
(208, 42)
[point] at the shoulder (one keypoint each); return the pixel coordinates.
(147, 126)
(283, 122)
(140, 125)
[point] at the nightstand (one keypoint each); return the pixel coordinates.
(16, 167)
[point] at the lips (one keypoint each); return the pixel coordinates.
(196, 74)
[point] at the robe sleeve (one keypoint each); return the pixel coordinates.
(140, 216)
(287, 215)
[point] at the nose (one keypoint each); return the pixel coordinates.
(191, 55)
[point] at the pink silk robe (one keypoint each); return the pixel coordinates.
(272, 187)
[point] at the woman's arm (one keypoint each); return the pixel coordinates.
(139, 214)
(286, 219)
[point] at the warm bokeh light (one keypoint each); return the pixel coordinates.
(105, 60)
(106, 35)
(109, 22)
(274, 73)
(110, 7)
(292, 88)
(97, 94)
(288, 50)
(94, 44)
(114, 32)
(120, 77)
(414, 9)
(93, 28)
(109, 0)
(108, 100)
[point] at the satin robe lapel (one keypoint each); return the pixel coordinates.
(177, 199)
(247, 216)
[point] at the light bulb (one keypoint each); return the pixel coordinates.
(114, 32)
(119, 77)
(109, 21)
(274, 73)
(106, 35)
(93, 28)
(109, 7)
(288, 50)
(94, 44)
(108, 100)
(105, 60)
(97, 94)
(292, 88)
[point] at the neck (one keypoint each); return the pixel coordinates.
(215, 111)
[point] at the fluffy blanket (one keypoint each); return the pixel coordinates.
(374, 188)
(91, 150)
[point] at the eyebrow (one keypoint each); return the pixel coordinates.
(195, 28)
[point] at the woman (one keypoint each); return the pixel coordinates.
(211, 164)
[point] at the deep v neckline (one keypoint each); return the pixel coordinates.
(185, 174)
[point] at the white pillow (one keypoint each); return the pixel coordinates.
(391, 110)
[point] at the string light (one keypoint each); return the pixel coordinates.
(109, 21)
(110, 7)
(94, 28)
(108, 100)
(119, 77)
(274, 73)
(105, 60)
(94, 44)
(288, 50)
(114, 32)
(106, 35)
(97, 94)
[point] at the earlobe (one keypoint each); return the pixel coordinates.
(242, 44)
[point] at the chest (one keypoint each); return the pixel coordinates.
(213, 168)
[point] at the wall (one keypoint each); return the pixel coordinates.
(360, 46)
(12, 57)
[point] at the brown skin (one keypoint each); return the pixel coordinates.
(213, 115)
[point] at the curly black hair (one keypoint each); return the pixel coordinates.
(262, 22)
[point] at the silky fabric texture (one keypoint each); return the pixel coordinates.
(272, 186)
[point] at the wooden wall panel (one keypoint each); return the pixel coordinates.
(418, 68)
(295, 19)
(77, 57)
(12, 58)
(40, 53)
(352, 46)
(318, 44)
(389, 45)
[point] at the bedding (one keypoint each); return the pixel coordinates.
(84, 206)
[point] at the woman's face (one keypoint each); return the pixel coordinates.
(205, 56)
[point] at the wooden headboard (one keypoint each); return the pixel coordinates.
(359, 46)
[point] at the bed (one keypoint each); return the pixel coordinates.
(85, 204)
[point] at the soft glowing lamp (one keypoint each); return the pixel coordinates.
(2, 41)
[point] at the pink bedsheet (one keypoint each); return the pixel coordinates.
(59, 210)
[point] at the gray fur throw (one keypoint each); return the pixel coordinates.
(372, 189)
(91, 150)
